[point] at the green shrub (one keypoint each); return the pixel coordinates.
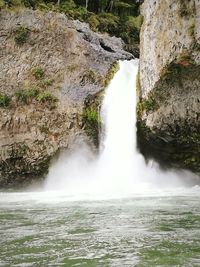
(13, 3)
(149, 104)
(38, 73)
(26, 95)
(46, 83)
(73, 11)
(22, 3)
(21, 96)
(30, 3)
(100, 16)
(33, 92)
(134, 22)
(21, 35)
(46, 97)
(80, 13)
(93, 22)
(44, 6)
(4, 101)
(122, 5)
(108, 23)
(67, 5)
(91, 116)
(2, 4)
(104, 22)
(91, 123)
(121, 19)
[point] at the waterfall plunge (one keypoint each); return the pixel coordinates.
(119, 170)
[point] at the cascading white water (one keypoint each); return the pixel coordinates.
(119, 117)
(119, 169)
(119, 159)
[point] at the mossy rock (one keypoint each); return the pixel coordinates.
(91, 117)
(5, 100)
(168, 118)
(110, 74)
(170, 150)
(21, 35)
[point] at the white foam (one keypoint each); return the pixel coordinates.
(119, 170)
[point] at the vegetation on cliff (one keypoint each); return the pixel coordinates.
(54, 70)
(118, 18)
(168, 84)
(174, 141)
(92, 105)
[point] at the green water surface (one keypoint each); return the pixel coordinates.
(38, 229)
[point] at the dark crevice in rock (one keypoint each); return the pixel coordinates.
(105, 47)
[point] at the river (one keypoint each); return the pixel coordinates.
(112, 209)
(49, 229)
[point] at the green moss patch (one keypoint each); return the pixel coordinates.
(91, 118)
(28, 96)
(110, 74)
(25, 96)
(91, 121)
(38, 73)
(150, 104)
(46, 97)
(4, 100)
(21, 35)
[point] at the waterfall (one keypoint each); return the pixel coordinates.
(119, 159)
(119, 117)
(119, 169)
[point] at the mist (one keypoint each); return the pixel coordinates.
(119, 170)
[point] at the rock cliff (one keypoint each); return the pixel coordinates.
(169, 82)
(49, 67)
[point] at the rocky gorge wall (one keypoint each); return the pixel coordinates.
(169, 83)
(51, 69)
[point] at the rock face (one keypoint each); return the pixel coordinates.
(169, 82)
(49, 66)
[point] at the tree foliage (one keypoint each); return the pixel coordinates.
(117, 17)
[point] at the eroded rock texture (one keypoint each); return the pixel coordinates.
(48, 67)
